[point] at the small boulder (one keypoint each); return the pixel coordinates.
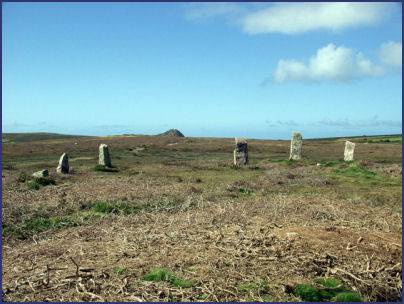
(42, 173)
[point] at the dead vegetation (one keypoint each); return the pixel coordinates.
(179, 223)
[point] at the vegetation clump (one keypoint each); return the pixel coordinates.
(326, 289)
(39, 182)
(245, 191)
(22, 177)
(356, 170)
(348, 297)
(36, 225)
(164, 275)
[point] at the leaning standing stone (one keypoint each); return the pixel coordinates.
(63, 166)
(42, 173)
(103, 157)
(241, 152)
(296, 146)
(349, 151)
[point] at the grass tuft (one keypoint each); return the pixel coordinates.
(348, 297)
(245, 191)
(164, 275)
(329, 282)
(119, 270)
(307, 292)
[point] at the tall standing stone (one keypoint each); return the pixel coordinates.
(63, 166)
(296, 146)
(349, 151)
(241, 152)
(103, 157)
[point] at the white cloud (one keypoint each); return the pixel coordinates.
(330, 63)
(390, 53)
(298, 18)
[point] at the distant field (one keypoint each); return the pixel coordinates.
(174, 220)
(393, 138)
(24, 137)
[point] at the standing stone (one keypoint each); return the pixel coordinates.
(349, 151)
(103, 156)
(42, 173)
(241, 152)
(63, 166)
(296, 146)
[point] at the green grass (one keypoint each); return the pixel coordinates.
(164, 275)
(245, 191)
(39, 182)
(36, 225)
(355, 170)
(202, 296)
(348, 297)
(324, 290)
(385, 139)
(307, 292)
(330, 283)
(85, 214)
(119, 270)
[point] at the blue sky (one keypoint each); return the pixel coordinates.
(260, 70)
